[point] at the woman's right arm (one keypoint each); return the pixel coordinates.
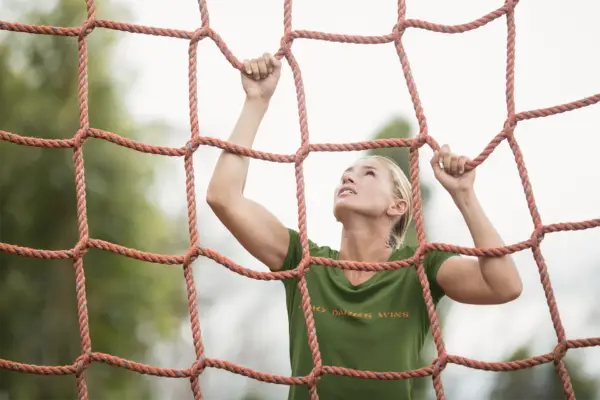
(255, 228)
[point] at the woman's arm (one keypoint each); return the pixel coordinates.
(255, 228)
(486, 280)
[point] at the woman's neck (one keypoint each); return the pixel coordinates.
(364, 243)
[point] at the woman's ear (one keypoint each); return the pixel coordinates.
(398, 208)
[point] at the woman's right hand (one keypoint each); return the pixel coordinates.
(260, 77)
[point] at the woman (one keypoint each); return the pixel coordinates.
(373, 321)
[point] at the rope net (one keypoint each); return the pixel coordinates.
(195, 250)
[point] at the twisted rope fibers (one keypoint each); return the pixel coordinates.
(195, 250)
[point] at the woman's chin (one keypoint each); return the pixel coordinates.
(344, 209)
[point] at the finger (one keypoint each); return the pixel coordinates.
(462, 164)
(255, 70)
(435, 163)
(269, 64)
(263, 70)
(275, 62)
(267, 57)
(453, 167)
(444, 151)
(446, 160)
(247, 67)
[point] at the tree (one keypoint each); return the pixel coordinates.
(131, 304)
(399, 128)
(541, 382)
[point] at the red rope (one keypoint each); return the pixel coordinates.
(195, 250)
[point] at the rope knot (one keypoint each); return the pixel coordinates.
(198, 35)
(301, 154)
(538, 235)
(87, 27)
(80, 248)
(560, 350)
(510, 5)
(418, 141)
(509, 125)
(399, 29)
(439, 364)
(420, 253)
(198, 366)
(82, 362)
(191, 146)
(314, 376)
(286, 43)
(81, 135)
(190, 255)
(303, 266)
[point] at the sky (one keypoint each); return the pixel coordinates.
(351, 91)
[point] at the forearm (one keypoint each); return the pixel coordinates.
(231, 169)
(500, 273)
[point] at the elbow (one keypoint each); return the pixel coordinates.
(512, 292)
(215, 197)
(509, 287)
(518, 289)
(220, 198)
(515, 287)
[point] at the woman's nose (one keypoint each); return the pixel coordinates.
(348, 179)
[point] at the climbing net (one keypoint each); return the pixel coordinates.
(195, 250)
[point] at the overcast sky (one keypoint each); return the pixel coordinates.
(351, 91)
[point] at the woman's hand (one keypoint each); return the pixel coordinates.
(451, 174)
(260, 77)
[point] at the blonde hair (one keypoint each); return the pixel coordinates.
(402, 190)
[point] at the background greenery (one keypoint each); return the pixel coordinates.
(131, 304)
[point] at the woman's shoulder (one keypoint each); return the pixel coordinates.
(315, 249)
(403, 253)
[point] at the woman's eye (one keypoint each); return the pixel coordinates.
(370, 173)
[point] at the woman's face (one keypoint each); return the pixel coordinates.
(366, 188)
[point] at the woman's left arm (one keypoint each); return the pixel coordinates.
(483, 280)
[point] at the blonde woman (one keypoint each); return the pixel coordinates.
(373, 321)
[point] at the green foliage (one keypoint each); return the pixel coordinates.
(542, 382)
(131, 304)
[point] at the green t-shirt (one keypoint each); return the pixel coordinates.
(379, 325)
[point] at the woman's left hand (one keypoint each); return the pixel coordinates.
(451, 174)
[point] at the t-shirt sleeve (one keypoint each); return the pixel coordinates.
(433, 262)
(294, 253)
